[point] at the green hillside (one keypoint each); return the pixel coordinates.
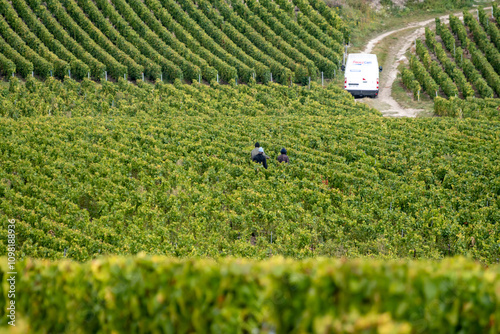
(168, 40)
(92, 169)
(129, 202)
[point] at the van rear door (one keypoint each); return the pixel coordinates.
(361, 74)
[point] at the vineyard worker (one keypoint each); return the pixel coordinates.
(255, 151)
(261, 158)
(283, 157)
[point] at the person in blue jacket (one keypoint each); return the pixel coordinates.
(261, 158)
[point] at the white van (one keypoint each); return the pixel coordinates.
(361, 74)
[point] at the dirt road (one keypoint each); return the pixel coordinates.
(384, 102)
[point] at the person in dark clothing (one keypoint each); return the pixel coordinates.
(261, 158)
(283, 157)
(255, 151)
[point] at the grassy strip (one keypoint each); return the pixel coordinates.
(406, 100)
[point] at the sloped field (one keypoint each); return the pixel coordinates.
(166, 39)
(84, 179)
